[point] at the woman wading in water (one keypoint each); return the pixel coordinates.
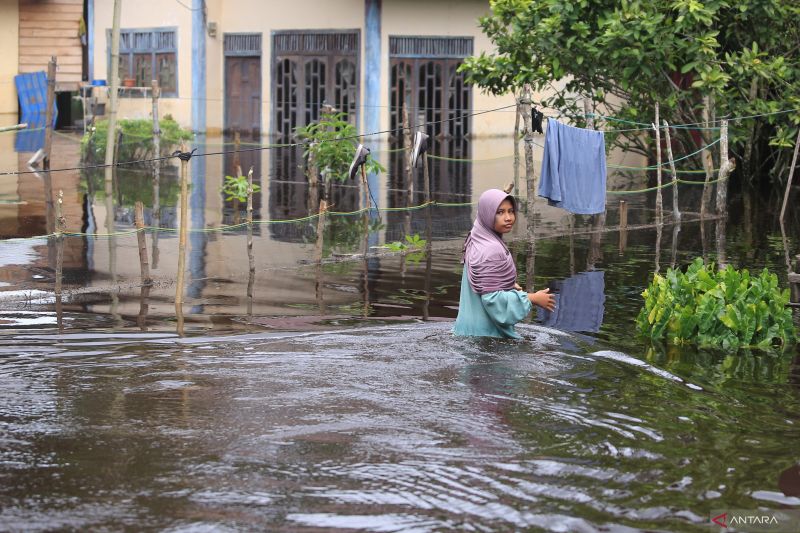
(491, 300)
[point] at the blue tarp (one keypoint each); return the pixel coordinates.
(32, 93)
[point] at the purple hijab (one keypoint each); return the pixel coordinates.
(489, 264)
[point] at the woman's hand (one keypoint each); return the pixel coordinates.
(517, 287)
(543, 299)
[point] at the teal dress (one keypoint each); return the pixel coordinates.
(491, 315)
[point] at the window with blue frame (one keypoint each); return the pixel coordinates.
(146, 55)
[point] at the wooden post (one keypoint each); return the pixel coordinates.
(184, 226)
(726, 167)
(113, 88)
(676, 214)
(529, 171)
(676, 228)
(237, 144)
(61, 226)
(48, 140)
(623, 226)
(659, 199)
(156, 150)
(318, 248)
(426, 177)
(144, 265)
(367, 196)
(250, 257)
(409, 148)
(708, 160)
(51, 98)
(659, 231)
(587, 112)
(516, 146)
(789, 180)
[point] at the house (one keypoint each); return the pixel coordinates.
(268, 66)
(31, 31)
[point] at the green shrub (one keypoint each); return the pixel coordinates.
(235, 188)
(727, 309)
(137, 139)
(333, 145)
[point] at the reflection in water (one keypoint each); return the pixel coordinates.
(580, 303)
(451, 182)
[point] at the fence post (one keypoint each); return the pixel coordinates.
(48, 141)
(726, 167)
(587, 113)
(659, 199)
(623, 226)
(789, 181)
(60, 227)
(676, 214)
(156, 151)
(708, 160)
(529, 171)
(184, 226)
(113, 88)
(144, 265)
(516, 146)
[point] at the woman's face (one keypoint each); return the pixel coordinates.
(505, 217)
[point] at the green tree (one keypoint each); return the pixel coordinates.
(742, 58)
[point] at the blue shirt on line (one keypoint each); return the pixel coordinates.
(574, 169)
(490, 315)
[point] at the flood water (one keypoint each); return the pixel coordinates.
(334, 397)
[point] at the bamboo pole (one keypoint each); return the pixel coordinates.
(659, 199)
(726, 167)
(676, 214)
(113, 87)
(789, 180)
(48, 141)
(184, 226)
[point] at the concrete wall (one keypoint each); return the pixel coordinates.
(9, 63)
(406, 17)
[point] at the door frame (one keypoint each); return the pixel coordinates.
(253, 52)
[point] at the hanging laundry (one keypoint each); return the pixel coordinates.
(574, 169)
(536, 120)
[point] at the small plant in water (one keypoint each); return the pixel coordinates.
(726, 309)
(235, 188)
(412, 242)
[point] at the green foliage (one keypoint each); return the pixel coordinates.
(627, 55)
(412, 242)
(727, 309)
(236, 188)
(331, 146)
(137, 139)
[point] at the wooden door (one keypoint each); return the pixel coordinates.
(243, 95)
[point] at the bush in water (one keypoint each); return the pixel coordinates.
(727, 309)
